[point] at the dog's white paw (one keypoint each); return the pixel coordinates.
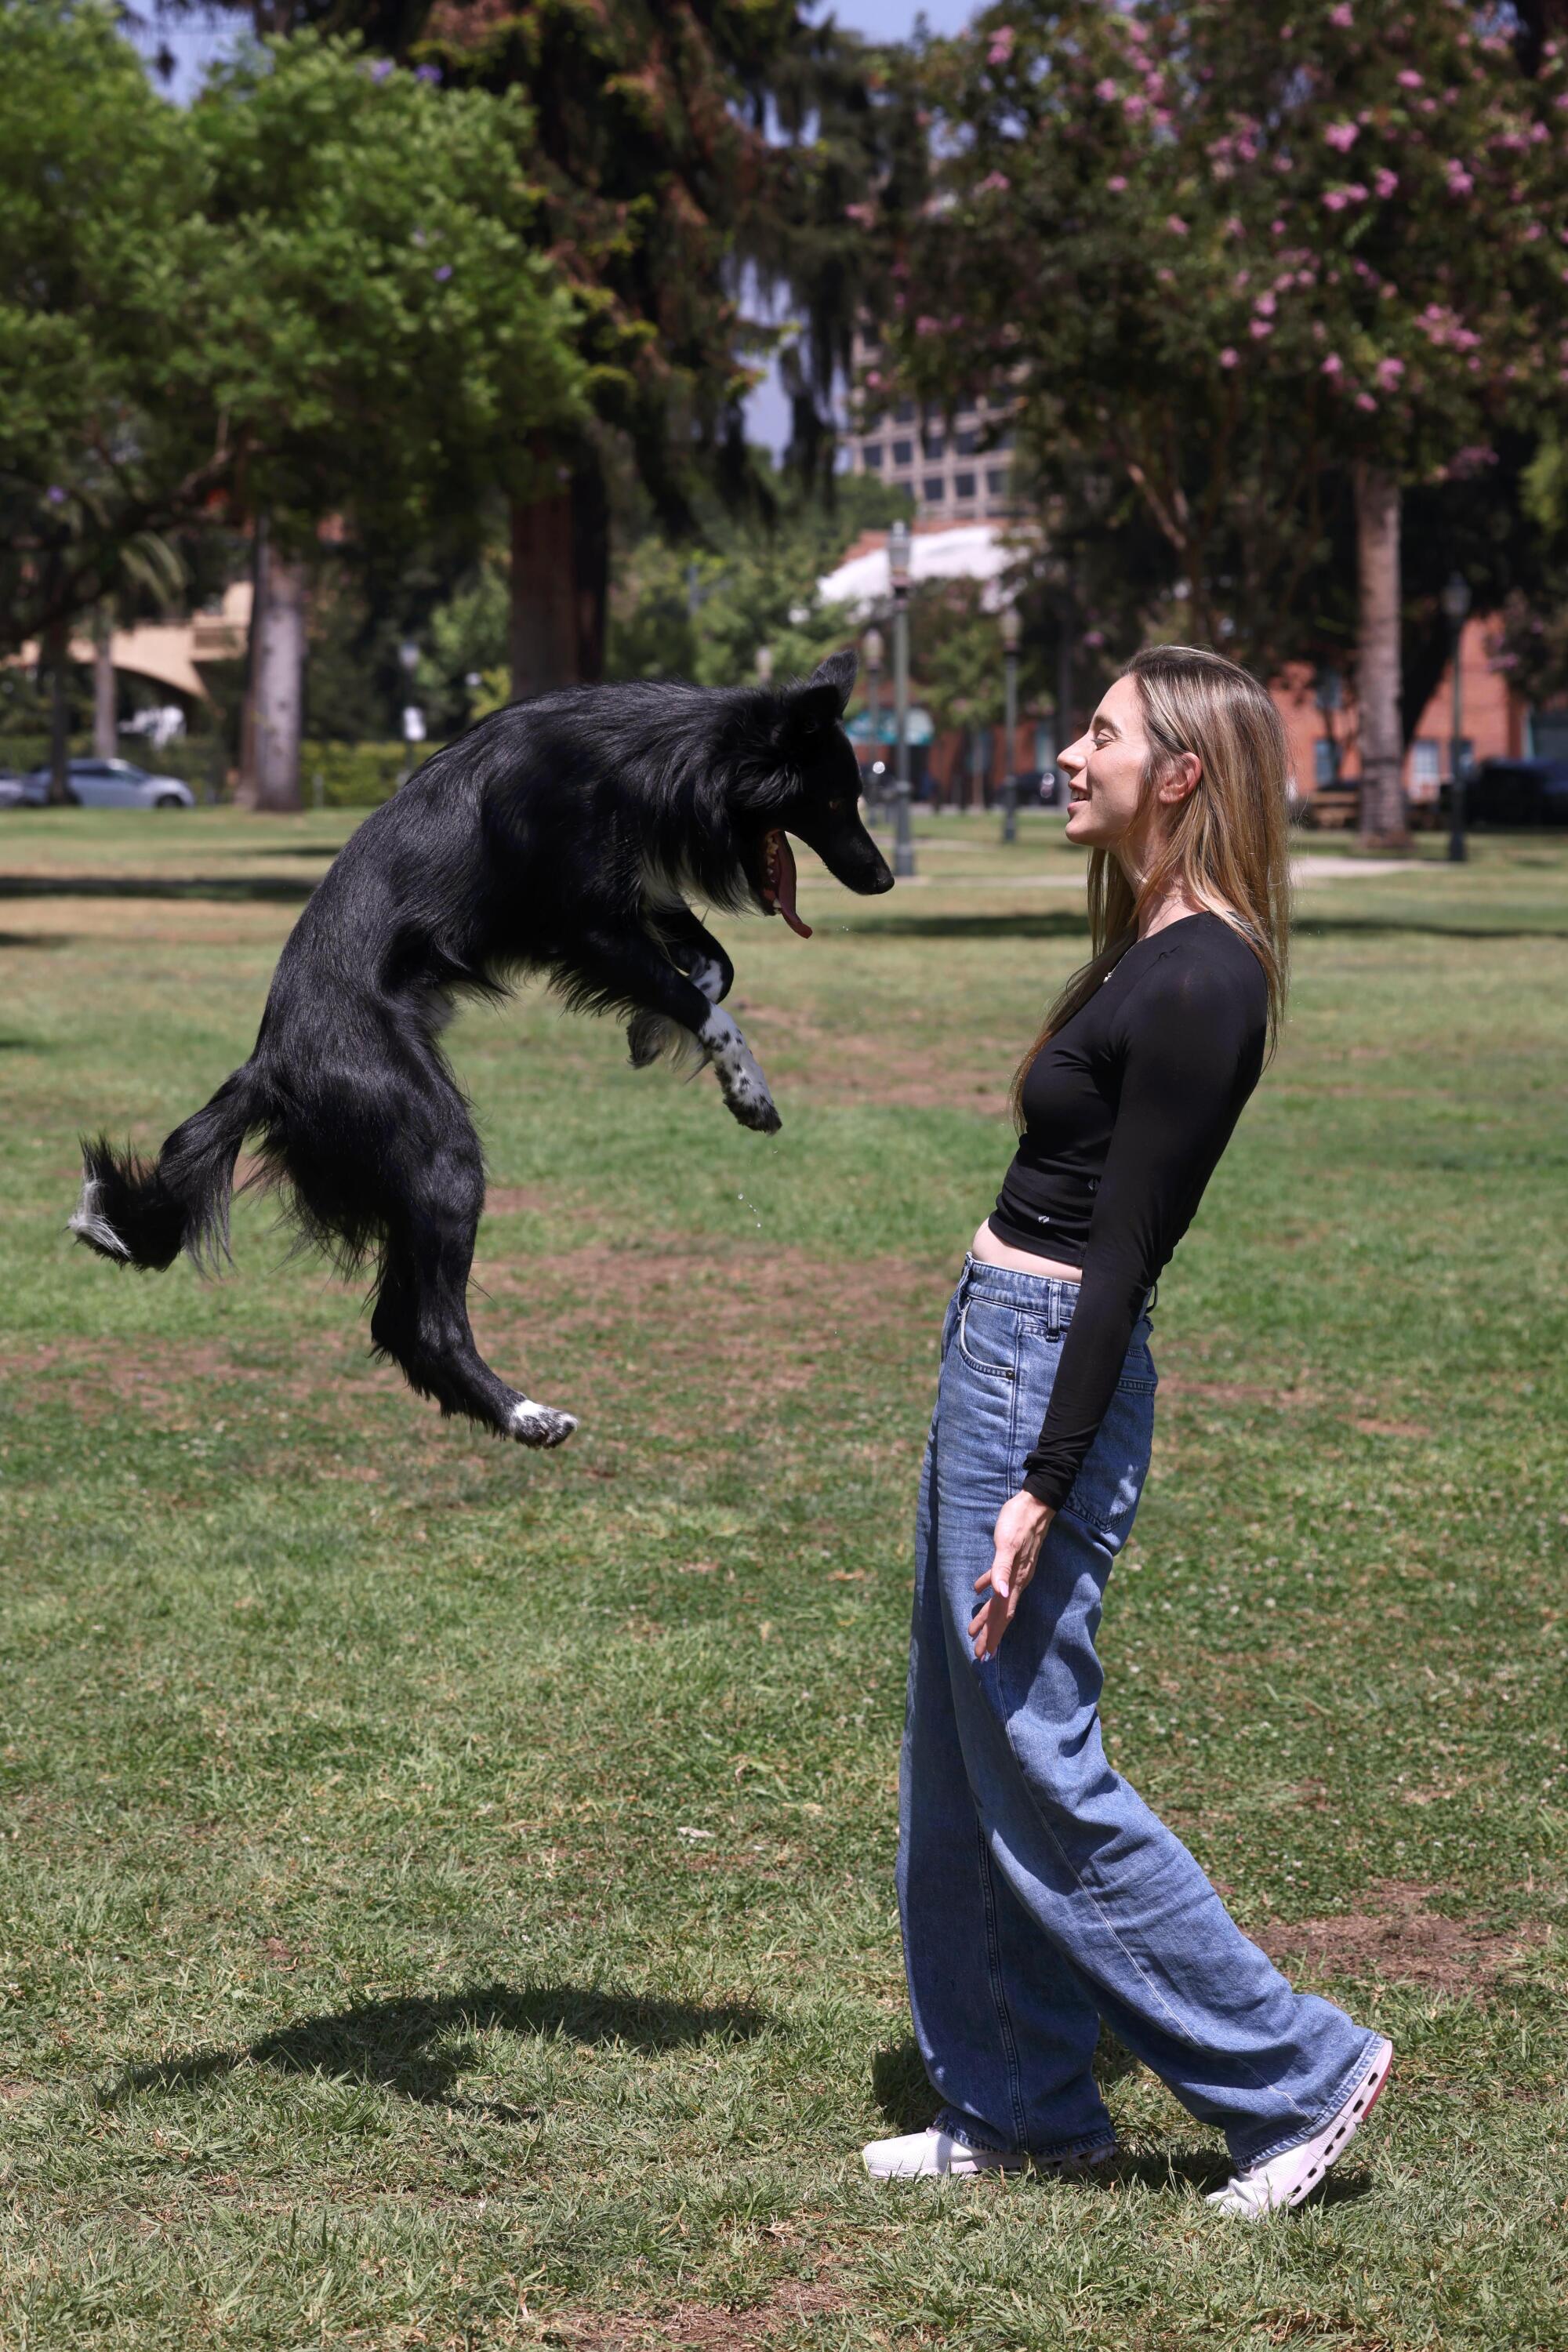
(741, 1080)
(541, 1424)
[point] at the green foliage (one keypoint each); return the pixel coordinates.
(703, 611)
(355, 775)
(321, 290)
(1223, 255)
(377, 325)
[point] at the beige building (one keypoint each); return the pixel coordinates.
(952, 477)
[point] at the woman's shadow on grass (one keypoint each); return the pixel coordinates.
(415, 2044)
(900, 2087)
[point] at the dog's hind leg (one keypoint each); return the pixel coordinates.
(421, 1315)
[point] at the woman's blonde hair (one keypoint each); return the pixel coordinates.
(1225, 844)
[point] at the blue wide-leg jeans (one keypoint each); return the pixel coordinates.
(1037, 1892)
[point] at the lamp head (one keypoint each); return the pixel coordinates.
(1456, 598)
(898, 554)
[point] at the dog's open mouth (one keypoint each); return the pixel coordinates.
(777, 893)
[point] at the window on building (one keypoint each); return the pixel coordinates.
(935, 446)
(1005, 440)
(1322, 761)
(905, 412)
(997, 482)
(871, 456)
(963, 486)
(933, 489)
(903, 453)
(1426, 760)
(963, 442)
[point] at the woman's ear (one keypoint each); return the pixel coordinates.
(1181, 778)
(812, 709)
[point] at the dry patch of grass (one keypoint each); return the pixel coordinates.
(1394, 1936)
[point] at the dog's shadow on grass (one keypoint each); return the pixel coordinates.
(900, 2087)
(416, 2044)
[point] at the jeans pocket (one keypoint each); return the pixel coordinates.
(988, 1340)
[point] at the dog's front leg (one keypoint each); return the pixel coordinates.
(635, 973)
(694, 950)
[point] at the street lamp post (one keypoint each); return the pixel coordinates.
(899, 578)
(1456, 604)
(1012, 630)
(765, 664)
(876, 651)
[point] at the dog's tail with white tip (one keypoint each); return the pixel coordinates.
(144, 1215)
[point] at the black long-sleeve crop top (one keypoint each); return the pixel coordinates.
(1126, 1113)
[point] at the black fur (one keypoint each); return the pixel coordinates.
(563, 836)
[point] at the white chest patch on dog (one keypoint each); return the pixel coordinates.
(741, 1080)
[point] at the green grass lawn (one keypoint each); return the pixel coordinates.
(447, 1892)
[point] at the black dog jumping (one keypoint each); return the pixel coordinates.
(563, 836)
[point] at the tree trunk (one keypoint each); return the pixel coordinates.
(56, 652)
(105, 734)
(543, 632)
(271, 756)
(1383, 823)
(560, 581)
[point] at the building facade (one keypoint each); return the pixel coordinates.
(951, 475)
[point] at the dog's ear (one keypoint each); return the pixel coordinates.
(812, 709)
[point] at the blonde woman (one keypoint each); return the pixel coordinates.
(1037, 1892)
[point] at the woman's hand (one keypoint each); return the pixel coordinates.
(1020, 1532)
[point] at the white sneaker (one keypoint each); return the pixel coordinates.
(1286, 2180)
(927, 2155)
(921, 2155)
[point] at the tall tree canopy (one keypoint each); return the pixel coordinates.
(1236, 259)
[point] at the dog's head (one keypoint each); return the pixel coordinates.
(810, 787)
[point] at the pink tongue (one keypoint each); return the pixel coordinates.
(784, 888)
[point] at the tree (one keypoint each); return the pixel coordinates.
(95, 451)
(1235, 258)
(376, 320)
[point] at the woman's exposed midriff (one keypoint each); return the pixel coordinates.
(992, 1252)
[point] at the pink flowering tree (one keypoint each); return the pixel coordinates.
(1243, 265)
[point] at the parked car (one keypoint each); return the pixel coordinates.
(109, 784)
(1518, 791)
(11, 790)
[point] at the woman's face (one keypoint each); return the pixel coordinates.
(1105, 777)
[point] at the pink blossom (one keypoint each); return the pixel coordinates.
(1364, 400)
(995, 183)
(1342, 135)
(1166, 276)
(1001, 48)
(1235, 226)
(1427, 105)
(1228, 358)
(1459, 181)
(1175, 224)
(874, 379)
(1243, 278)
(1116, 184)
(1161, 115)
(1107, 89)
(1386, 374)
(1333, 364)
(1384, 181)
(1258, 328)
(863, 214)
(1265, 306)
(1134, 106)
(1094, 638)
(1276, 228)
(1343, 15)
(928, 326)
(1408, 78)
(1532, 232)
(1334, 200)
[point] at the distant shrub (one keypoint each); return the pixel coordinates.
(355, 775)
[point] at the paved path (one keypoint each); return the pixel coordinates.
(1304, 871)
